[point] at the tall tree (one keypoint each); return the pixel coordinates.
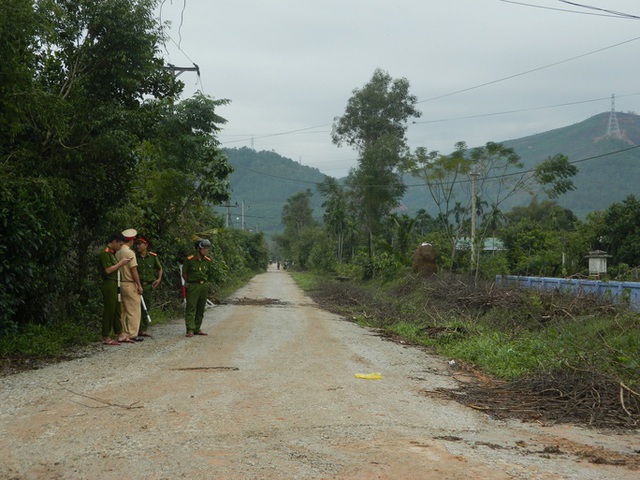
(374, 124)
(297, 217)
(337, 218)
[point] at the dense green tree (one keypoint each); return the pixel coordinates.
(532, 249)
(617, 231)
(380, 109)
(375, 189)
(297, 214)
(18, 22)
(543, 238)
(546, 213)
(374, 124)
(338, 220)
(400, 236)
(181, 165)
(295, 242)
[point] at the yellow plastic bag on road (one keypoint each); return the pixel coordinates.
(369, 376)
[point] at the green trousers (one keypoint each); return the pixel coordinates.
(196, 303)
(111, 313)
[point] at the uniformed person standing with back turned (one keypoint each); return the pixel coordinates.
(150, 272)
(131, 291)
(197, 272)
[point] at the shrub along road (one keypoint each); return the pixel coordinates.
(272, 392)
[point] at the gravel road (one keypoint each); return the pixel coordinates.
(272, 393)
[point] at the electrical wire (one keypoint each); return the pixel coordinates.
(506, 112)
(558, 9)
(184, 7)
(179, 43)
(614, 12)
(278, 134)
(492, 82)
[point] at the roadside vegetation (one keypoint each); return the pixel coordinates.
(95, 138)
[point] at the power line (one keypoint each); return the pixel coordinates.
(278, 134)
(506, 112)
(543, 7)
(614, 12)
(492, 82)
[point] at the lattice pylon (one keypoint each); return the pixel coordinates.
(613, 129)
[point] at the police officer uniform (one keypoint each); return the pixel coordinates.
(149, 269)
(197, 271)
(130, 290)
(109, 287)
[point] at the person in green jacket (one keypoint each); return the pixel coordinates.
(150, 271)
(108, 268)
(197, 272)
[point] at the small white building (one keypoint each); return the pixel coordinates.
(597, 263)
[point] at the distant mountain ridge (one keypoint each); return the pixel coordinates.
(609, 170)
(264, 181)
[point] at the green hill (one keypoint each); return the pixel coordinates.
(264, 181)
(609, 170)
(605, 177)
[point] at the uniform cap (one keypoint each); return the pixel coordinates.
(130, 233)
(203, 243)
(141, 239)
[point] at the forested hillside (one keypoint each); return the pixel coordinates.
(609, 167)
(264, 181)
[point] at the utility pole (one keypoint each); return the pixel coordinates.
(228, 215)
(243, 215)
(474, 175)
(177, 71)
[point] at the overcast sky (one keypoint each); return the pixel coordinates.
(482, 70)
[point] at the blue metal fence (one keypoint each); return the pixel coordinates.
(620, 292)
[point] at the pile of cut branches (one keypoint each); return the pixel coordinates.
(585, 398)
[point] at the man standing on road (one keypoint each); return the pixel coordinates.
(108, 267)
(197, 272)
(150, 272)
(131, 291)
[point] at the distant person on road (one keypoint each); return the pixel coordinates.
(131, 290)
(150, 272)
(108, 268)
(197, 272)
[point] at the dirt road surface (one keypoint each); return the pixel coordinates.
(272, 393)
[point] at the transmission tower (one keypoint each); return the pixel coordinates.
(613, 129)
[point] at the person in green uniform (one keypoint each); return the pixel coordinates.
(150, 271)
(197, 272)
(108, 268)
